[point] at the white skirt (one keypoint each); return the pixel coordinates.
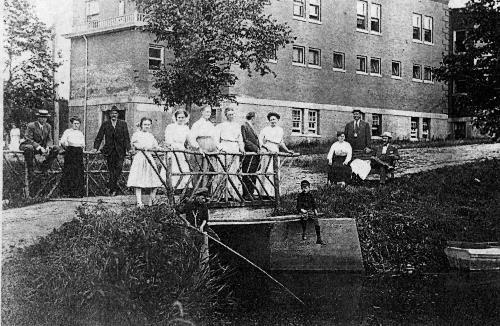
(142, 174)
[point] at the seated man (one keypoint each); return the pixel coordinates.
(385, 157)
(38, 140)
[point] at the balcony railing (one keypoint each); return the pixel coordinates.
(96, 26)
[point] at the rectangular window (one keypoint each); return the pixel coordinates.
(121, 8)
(427, 29)
(417, 72)
(428, 74)
(362, 14)
(338, 61)
(375, 17)
(298, 54)
(298, 8)
(396, 69)
(314, 57)
(297, 121)
(426, 128)
(460, 87)
(417, 27)
(361, 64)
(92, 9)
(459, 41)
(315, 10)
(155, 57)
(273, 56)
(375, 66)
(313, 122)
(376, 124)
(414, 129)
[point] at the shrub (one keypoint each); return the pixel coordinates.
(127, 267)
(404, 225)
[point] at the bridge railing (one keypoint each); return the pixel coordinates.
(182, 173)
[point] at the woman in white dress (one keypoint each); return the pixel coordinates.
(230, 141)
(339, 157)
(15, 138)
(142, 174)
(73, 142)
(176, 136)
(203, 138)
(271, 140)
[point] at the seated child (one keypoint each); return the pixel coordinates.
(306, 207)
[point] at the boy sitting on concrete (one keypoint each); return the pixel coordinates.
(306, 206)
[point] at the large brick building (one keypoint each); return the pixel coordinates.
(372, 55)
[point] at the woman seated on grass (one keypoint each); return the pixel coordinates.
(339, 156)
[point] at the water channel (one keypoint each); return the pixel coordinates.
(453, 298)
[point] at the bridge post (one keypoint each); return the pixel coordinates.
(168, 179)
(276, 167)
(26, 179)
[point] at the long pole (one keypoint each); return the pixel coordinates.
(86, 86)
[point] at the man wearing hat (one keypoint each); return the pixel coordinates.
(116, 144)
(358, 133)
(385, 157)
(38, 140)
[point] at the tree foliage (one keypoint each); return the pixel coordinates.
(207, 39)
(478, 66)
(29, 65)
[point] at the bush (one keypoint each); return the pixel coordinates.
(404, 225)
(117, 268)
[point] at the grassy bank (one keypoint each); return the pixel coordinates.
(108, 268)
(404, 225)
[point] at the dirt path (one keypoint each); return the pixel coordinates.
(22, 226)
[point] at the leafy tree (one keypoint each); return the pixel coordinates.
(208, 39)
(478, 66)
(29, 65)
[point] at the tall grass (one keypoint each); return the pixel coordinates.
(114, 268)
(404, 225)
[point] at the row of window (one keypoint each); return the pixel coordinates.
(374, 68)
(368, 18)
(311, 126)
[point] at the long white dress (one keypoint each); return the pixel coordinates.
(269, 139)
(15, 139)
(204, 135)
(230, 140)
(141, 173)
(176, 136)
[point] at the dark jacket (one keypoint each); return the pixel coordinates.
(115, 139)
(37, 136)
(390, 156)
(364, 135)
(305, 201)
(250, 138)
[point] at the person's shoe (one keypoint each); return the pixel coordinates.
(320, 242)
(304, 237)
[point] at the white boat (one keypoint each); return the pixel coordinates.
(473, 256)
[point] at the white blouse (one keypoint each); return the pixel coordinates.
(271, 137)
(202, 128)
(340, 149)
(229, 132)
(73, 138)
(143, 140)
(176, 135)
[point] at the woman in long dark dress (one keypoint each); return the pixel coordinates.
(73, 143)
(339, 156)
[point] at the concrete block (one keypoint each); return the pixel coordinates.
(342, 251)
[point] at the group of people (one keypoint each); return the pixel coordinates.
(348, 154)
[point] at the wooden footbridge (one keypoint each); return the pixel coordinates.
(235, 194)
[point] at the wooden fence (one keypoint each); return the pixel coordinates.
(181, 172)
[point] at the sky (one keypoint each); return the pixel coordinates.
(59, 14)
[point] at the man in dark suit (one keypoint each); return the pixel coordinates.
(385, 157)
(116, 144)
(358, 133)
(38, 140)
(250, 163)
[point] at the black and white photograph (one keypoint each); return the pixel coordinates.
(250, 162)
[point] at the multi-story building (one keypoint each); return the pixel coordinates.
(372, 55)
(459, 116)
